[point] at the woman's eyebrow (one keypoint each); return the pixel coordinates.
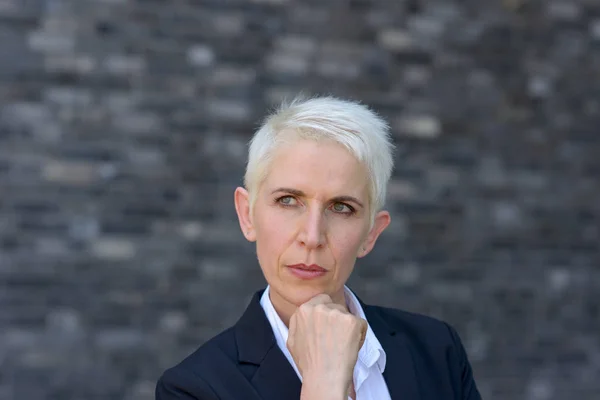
(295, 192)
(348, 199)
(300, 193)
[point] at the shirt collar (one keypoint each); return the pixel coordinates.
(371, 351)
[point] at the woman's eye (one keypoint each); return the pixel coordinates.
(341, 208)
(287, 200)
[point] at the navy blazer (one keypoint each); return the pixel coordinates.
(425, 361)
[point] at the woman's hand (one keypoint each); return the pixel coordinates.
(324, 340)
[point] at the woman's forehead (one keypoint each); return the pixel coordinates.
(313, 167)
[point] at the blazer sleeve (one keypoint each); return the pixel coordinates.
(467, 382)
(181, 384)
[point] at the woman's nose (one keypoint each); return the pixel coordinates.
(312, 232)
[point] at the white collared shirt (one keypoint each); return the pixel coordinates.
(368, 371)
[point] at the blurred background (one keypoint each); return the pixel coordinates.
(123, 133)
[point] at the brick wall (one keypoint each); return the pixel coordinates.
(123, 127)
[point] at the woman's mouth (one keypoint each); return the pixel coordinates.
(306, 272)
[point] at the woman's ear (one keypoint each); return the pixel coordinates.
(382, 221)
(242, 208)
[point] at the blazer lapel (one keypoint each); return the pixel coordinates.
(399, 374)
(274, 378)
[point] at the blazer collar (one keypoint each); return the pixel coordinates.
(275, 378)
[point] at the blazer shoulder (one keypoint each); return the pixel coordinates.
(437, 342)
(182, 384)
(417, 326)
(219, 347)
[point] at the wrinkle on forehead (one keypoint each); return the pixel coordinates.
(319, 169)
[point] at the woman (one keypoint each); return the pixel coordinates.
(315, 187)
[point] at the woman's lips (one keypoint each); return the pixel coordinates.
(304, 271)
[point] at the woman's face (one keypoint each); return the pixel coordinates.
(310, 221)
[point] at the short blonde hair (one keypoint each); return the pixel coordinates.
(353, 125)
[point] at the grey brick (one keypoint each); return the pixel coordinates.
(200, 55)
(53, 43)
(396, 40)
(124, 64)
(113, 249)
(222, 109)
(564, 10)
(595, 29)
(285, 63)
(228, 24)
(422, 126)
(118, 339)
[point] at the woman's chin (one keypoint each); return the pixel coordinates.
(300, 295)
